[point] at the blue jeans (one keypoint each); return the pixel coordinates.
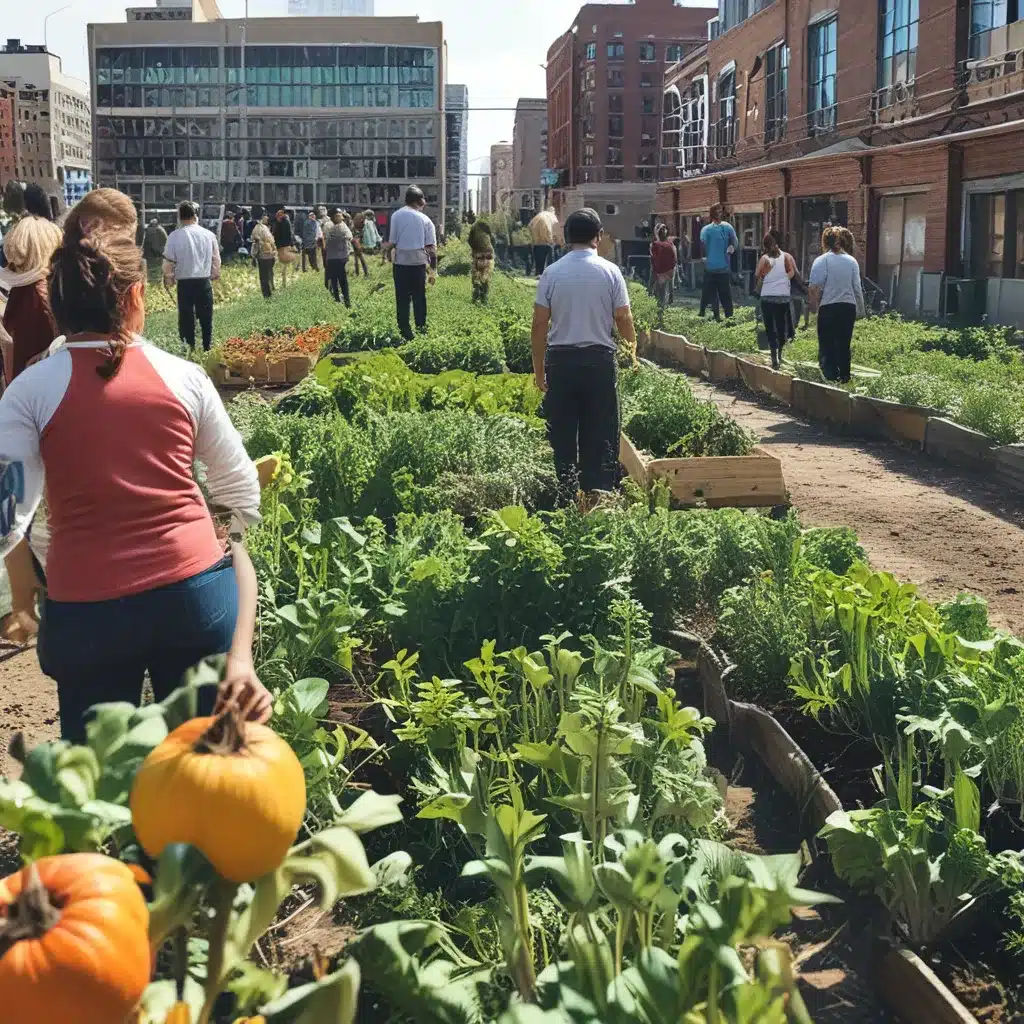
(100, 651)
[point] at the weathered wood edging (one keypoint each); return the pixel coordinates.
(937, 436)
(904, 981)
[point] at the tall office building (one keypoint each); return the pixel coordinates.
(52, 135)
(270, 111)
(529, 153)
(456, 113)
(329, 8)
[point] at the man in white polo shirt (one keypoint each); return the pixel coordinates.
(581, 299)
(192, 259)
(414, 241)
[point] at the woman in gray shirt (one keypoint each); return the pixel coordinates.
(836, 293)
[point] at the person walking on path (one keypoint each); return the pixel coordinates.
(192, 260)
(27, 318)
(154, 242)
(663, 265)
(337, 244)
(371, 236)
(311, 238)
(284, 239)
(838, 297)
(358, 258)
(719, 242)
(544, 233)
(581, 299)
(137, 579)
(775, 272)
(481, 246)
(263, 249)
(414, 242)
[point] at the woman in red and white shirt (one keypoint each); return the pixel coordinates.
(137, 580)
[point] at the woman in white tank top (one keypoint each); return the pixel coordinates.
(775, 272)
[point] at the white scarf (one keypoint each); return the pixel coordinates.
(9, 279)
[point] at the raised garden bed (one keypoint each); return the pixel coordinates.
(822, 402)
(954, 443)
(891, 420)
(740, 481)
(905, 982)
(282, 357)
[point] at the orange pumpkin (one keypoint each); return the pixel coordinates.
(233, 789)
(73, 942)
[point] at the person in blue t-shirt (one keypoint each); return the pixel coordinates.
(719, 242)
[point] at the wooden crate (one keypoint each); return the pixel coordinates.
(739, 481)
(298, 368)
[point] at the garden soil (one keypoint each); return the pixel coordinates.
(944, 528)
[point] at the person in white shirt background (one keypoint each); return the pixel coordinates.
(413, 240)
(192, 259)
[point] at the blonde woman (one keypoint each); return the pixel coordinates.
(29, 245)
(837, 296)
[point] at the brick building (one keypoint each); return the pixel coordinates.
(903, 119)
(604, 78)
(8, 132)
(502, 183)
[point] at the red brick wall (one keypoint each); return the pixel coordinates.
(655, 21)
(993, 156)
(8, 150)
(560, 104)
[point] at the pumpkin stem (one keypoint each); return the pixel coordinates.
(30, 916)
(226, 736)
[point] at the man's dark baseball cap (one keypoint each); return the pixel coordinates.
(582, 226)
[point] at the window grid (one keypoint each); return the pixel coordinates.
(898, 24)
(821, 78)
(776, 92)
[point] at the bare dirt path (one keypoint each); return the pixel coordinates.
(928, 523)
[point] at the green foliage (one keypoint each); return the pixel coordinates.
(835, 548)
(966, 616)
(661, 415)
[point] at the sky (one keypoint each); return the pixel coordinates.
(496, 49)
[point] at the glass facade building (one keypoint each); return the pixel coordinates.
(271, 125)
(457, 149)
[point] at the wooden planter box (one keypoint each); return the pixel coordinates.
(669, 347)
(761, 378)
(879, 417)
(643, 343)
(695, 358)
(1009, 466)
(742, 481)
(278, 371)
(960, 445)
(298, 368)
(822, 402)
(903, 980)
(721, 365)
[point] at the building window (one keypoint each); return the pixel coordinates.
(734, 12)
(591, 51)
(588, 155)
(997, 234)
(615, 127)
(901, 230)
(673, 53)
(615, 103)
(615, 156)
(725, 127)
(615, 80)
(987, 17)
(616, 51)
(898, 42)
(648, 52)
(613, 174)
(646, 104)
(776, 85)
(646, 80)
(821, 96)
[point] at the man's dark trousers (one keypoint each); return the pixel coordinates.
(582, 411)
(195, 299)
(717, 288)
(411, 289)
(337, 280)
(541, 258)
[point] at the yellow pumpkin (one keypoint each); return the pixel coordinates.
(74, 943)
(233, 789)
